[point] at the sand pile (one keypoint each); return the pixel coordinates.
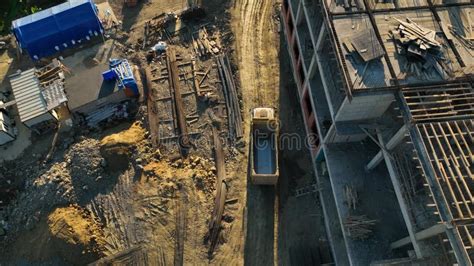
(75, 226)
(117, 148)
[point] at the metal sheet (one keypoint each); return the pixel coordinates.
(27, 92)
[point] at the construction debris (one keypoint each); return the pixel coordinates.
(232, 101)
(351, 197)
(184, 141)
(203, 44)
(359, 227)
(423, 52)
(221, 193)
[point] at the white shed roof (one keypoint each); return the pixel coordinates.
(27, 91)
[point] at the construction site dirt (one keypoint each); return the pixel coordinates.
(168, 184)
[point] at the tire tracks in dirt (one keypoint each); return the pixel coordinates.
(257, 48)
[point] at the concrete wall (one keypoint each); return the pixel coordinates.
(333, 137)
(364, 107)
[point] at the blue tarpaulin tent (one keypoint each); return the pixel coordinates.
(57, 28)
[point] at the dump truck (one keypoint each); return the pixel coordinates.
(264, 147)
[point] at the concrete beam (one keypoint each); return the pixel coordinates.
(391, 144)
(312, 66)
(424, 234)
(299, 14)
(320, 37)
(322, 32)
(400, 198)
(312, 32)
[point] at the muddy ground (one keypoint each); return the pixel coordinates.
(128, 194)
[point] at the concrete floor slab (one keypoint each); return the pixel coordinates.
(377, 199)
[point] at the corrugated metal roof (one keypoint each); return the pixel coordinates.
(27, 91)
(54, 94)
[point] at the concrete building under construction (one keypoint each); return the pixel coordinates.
(387, 89)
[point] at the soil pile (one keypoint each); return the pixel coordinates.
(117, 148)
(75, 226)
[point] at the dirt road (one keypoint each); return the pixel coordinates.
(257, 49)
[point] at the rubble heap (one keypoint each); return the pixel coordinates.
(424, 53)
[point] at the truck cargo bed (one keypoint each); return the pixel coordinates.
(264, 153)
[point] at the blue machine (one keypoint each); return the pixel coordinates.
(54, 29)
(121, 70)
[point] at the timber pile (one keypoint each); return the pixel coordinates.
(359, 227)
(156, 29)
(415, 35)
(221, 193)
(153, 119)
(351, 197)
(52, 72)
(203, 45)
(173, 75)
(232, 100)
(180, 231)
(424, 53)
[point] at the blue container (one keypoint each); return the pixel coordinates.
(109, 75)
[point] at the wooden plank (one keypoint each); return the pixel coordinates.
(197, 87)
(205, 75)
(184, 141)
(455, 165)
(451, 173)
(153, 120)
(440, 169)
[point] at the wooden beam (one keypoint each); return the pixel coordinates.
(183, 140)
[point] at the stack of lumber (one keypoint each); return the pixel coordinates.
(425, 58)
(173, 78)
(203, 45)
(413, 34)
(351, 197)
(231, 98)
(359, 227)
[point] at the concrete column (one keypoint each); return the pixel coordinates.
(322, 32)
(320, 37)
(391, 144)
(312, 66)
(424, 234)
(299, 13)
(400, 198)
(308, 22)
